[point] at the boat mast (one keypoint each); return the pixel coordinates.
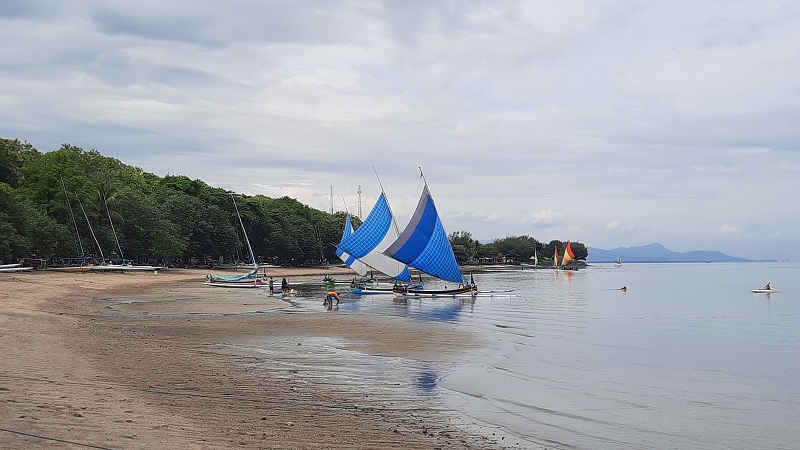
(74, 222)
(90, 229)
(246, 239)
(105, 200)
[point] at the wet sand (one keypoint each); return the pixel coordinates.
(81, 368)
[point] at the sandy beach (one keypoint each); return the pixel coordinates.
(81, 369)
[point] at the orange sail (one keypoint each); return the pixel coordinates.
(555, 258)
(568, 255)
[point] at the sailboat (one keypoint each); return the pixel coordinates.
(424, 245)
(249, 279)
(555, 258)
(568, 255)
(368, 243)
(618, 262)
(352, 262)
(123, 266)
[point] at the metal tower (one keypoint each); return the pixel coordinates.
(331, 199)
(359, 201)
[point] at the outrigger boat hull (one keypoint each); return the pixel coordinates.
(467, 291)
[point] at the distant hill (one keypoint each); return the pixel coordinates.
(657, 253)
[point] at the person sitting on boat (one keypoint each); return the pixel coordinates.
(330, 297)
(767, 287)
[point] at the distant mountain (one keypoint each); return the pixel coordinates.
(657, 253)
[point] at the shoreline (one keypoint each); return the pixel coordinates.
(80, 367)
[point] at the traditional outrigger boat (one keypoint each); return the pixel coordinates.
(424, 245)
(364, 248)
(249, 279)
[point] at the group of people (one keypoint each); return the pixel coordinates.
(284, 286)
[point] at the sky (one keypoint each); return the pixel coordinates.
(609, 122)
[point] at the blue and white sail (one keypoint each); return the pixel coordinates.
(424, 244)
(368, 242)
(351, 261)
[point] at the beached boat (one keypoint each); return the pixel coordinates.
(11, 268)
(424, 245)
(121, 268)
(252, 284)
(250, 277)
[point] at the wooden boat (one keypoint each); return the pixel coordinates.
(247, 278)
(252, 284)
(423, 244)
(364, 247)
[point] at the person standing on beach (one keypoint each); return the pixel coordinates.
(284, 286)
(271, 286)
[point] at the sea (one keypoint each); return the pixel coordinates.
(686, 358)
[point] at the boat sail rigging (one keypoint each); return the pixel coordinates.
(352, 262)
(372, 238)
(555, 258)
(568, 255)
(249, 277)
(424, 245)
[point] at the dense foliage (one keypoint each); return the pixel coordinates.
(72, 202)
(510, 249)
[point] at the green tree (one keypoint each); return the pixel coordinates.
(13, 155)
(25, 230)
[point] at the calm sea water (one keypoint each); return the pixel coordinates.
(688, 357)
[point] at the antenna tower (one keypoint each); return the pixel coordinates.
(331, 199)
(359, 201)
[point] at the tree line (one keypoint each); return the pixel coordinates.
(72, 202)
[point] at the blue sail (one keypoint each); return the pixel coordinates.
(351, 261)
(424, 244)
(368, 242)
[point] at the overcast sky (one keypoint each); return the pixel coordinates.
(613, 123)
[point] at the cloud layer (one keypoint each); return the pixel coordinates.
(613, 122)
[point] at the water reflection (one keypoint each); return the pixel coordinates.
(432, 309)
(426, 381)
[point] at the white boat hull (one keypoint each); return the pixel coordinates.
(15, 269)
(124, 268)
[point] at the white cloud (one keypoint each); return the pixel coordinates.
(546, 217)
(729, 231)
(671, 118)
